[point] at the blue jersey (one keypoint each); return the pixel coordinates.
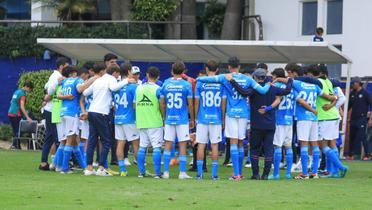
(175, 93)
(285, 111)
(210, 97)
(70, 107)
(237, 106)
(309, 93)
(124, 99)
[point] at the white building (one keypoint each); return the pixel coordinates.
(347, 24)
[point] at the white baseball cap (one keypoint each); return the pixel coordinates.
(136, 70)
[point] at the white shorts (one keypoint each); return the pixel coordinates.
(235, 128)
(84, 127)
(70, 126)
(283, 135)
(60, 132)
(328, 130)
(180, 131)
(127, 132)
(307, 130)
(151, 137)
(211, 132)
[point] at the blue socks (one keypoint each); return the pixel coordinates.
(316, 159)
(199, 164)
(122, 166)
(82, 150)
(59, 156)
(66, 158)
(183, 162)
(141, 160)
(304, 159)
(333, 158)
(289, 160)
(79, 157)
(241, 159)
(277, 159)
(167, 157)
(334, 170)
(156, 158)
(235, 158)
(214, 168)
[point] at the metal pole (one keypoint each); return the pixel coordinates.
(346, 107)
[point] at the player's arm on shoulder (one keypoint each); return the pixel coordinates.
(286, 90)
(262, 90)
(86, 84)
(310, 80)
(243, 91)
(210, 79)
(303, 103)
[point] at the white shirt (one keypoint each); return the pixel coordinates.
(102, 89)
(51, 87)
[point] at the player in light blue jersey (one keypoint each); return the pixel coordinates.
(177, 98)
(236, 111)
(284, 127)
(125, 119)
(307, 124)
(70, 117)
(210, 105)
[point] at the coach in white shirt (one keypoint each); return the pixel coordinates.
(51, 135)
(98, 116)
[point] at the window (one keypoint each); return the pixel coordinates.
(309, 17)
(15, 9)
(334, 17)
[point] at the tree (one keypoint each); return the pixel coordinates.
(232, 21)
(71, 9)
(120, 9)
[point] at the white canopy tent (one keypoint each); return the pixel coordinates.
(202, 50)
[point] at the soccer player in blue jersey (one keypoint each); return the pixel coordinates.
(84, 106)
(307, 124)
(70, 120)
(236, 111)
(284, 128)
(210, 105)
(125, 119)
(177, 98)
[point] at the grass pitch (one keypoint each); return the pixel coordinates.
(22, 186)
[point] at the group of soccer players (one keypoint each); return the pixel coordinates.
(104, 101)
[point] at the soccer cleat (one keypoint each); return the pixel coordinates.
(235, 178)
(95, 164)
(126, 162)
(103, 172)
(255, 177)
(67, 172)
(141, 175)
(158, 177)
(166, 175)
(112, 172)
(325, 174)
(314, 176)
(183, 175)
(215, 178)
(272, 177)
(89, 173)
(229, 165)
(58, 169)
(302, 177)
(44, 168)
(191, 163)
(135, 162)
(288, 176)
(264, 177)
(52, 167)
(124, 173)
(343, 172)
(248, 165)
(199, 177)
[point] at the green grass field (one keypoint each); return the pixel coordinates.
(24, 187)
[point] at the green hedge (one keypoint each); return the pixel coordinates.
(6, 132)
(20, 40)
(35, 98)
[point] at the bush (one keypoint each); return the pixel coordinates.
(20, 40)
(213, 17)
(35, 98)
(6, 132)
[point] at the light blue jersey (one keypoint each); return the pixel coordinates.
(285, 111)
(309, 93)
(237, 106)
(124, 99)
(175, 93)
(70, 107)
(210, 96)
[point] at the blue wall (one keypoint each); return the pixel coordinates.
(10, 70)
